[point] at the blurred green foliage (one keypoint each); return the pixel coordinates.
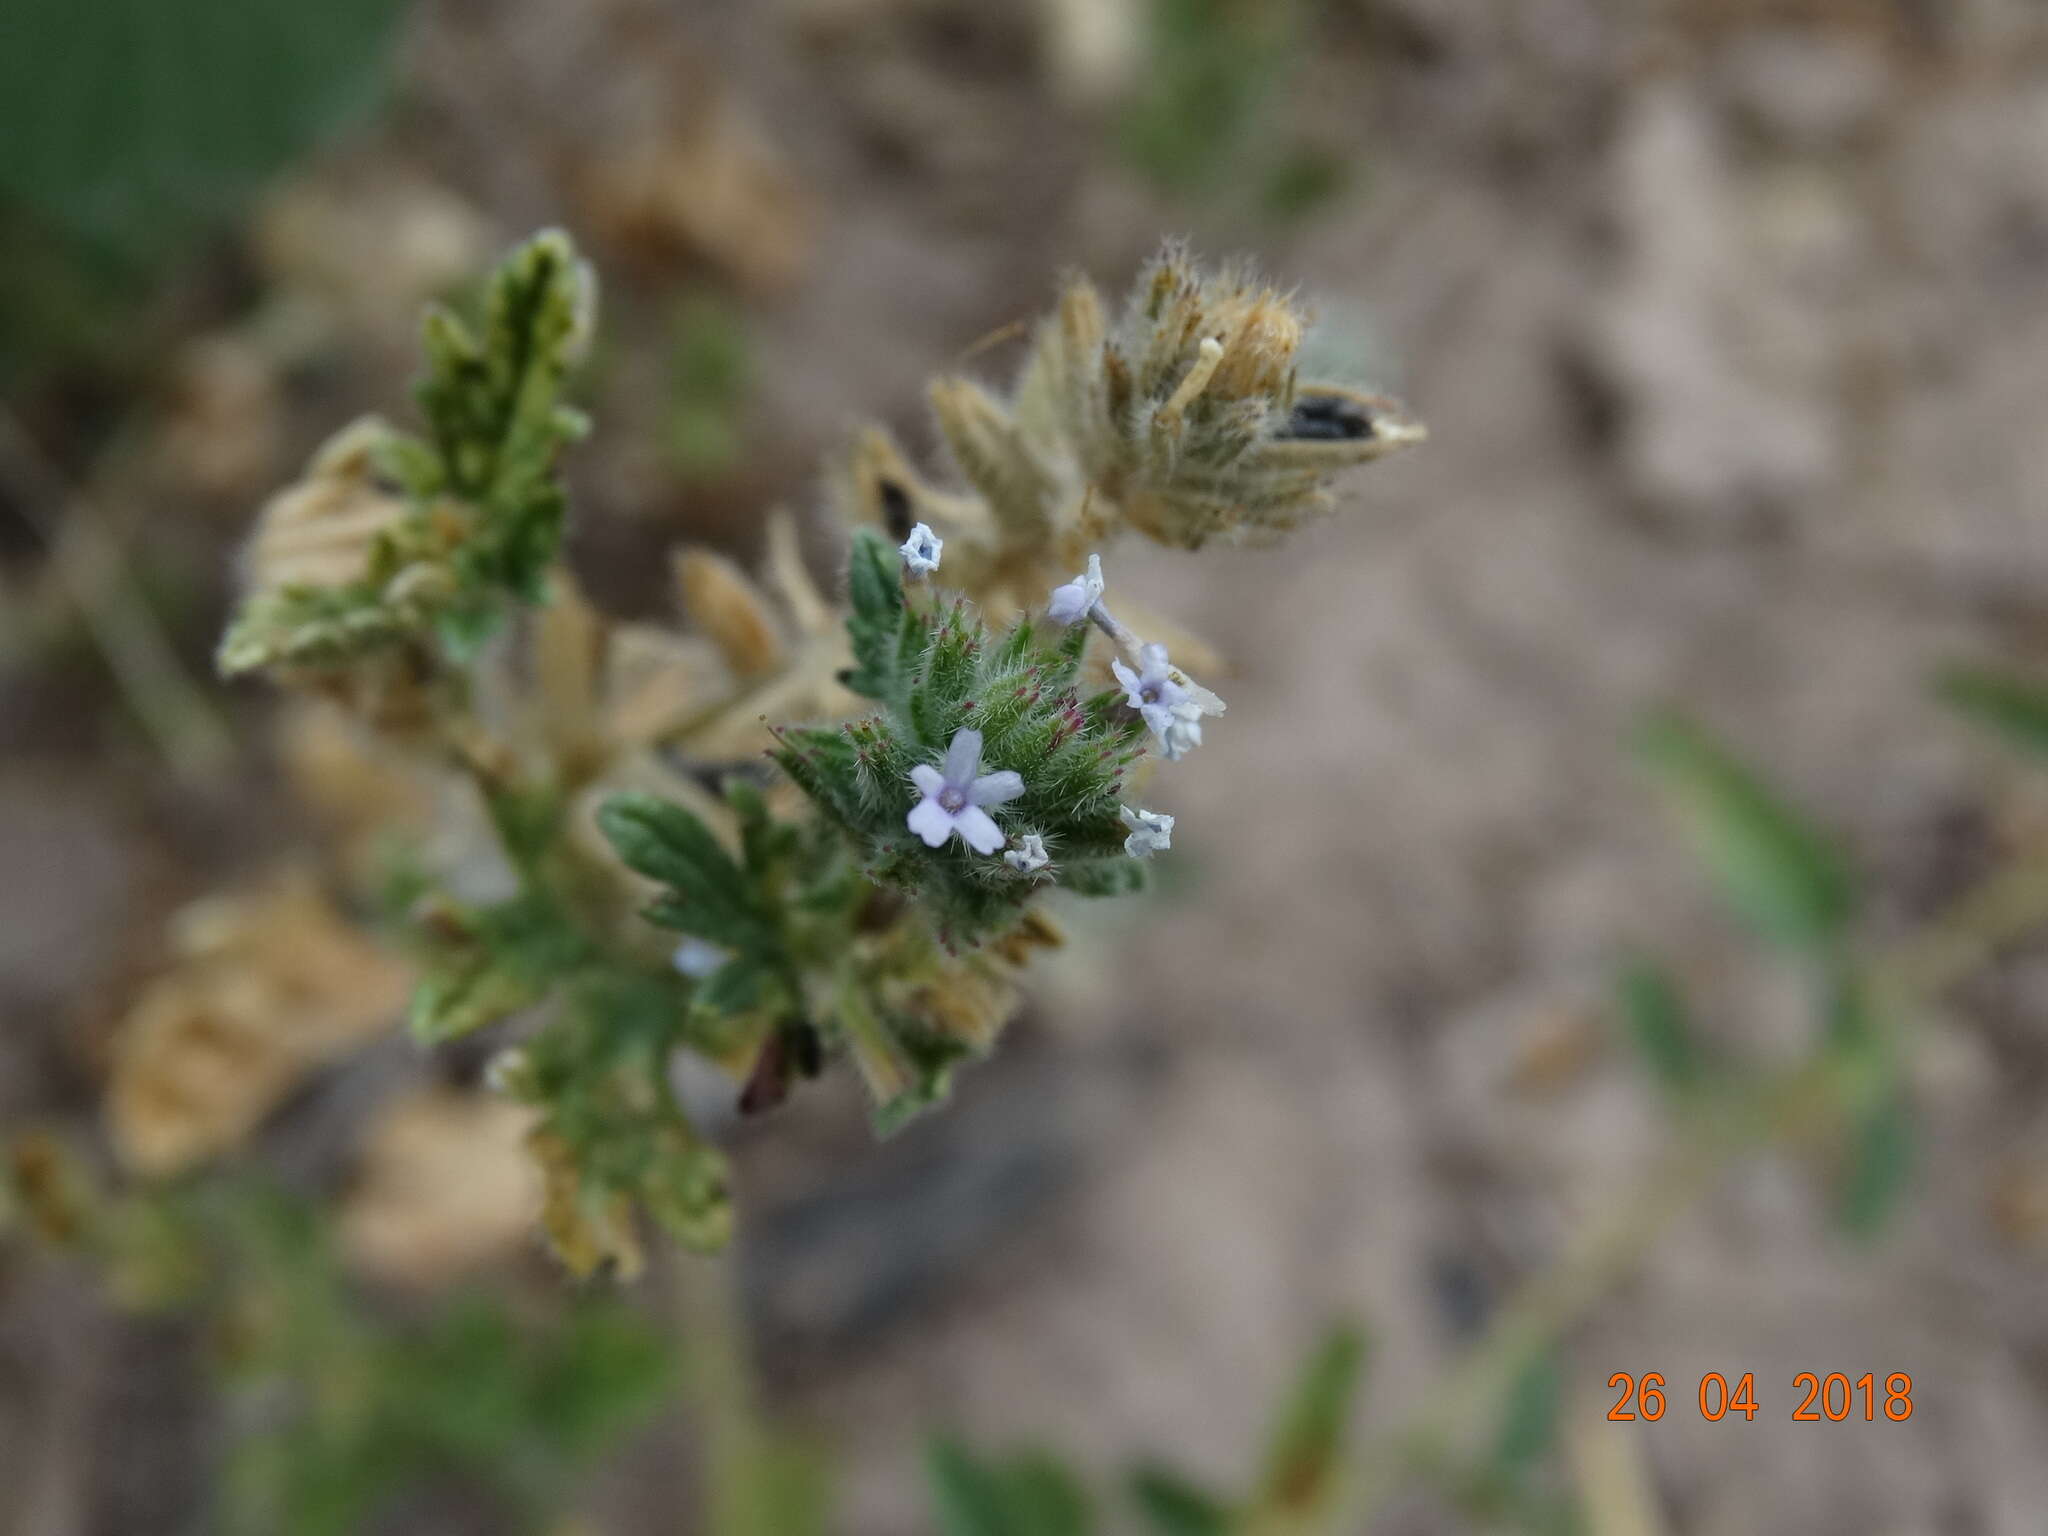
(133, 122)
(1773, 866)
(1655, 1016)
(484, 503)
(133, 126)
(1031, 1493)
(710, 370)
(1780, 871)
(350, 1406)
(1201, 121)
(1028, 1493)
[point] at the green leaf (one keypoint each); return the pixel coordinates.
(135, 122)
(1528, 1421)
(1879, 1166)
(2015, 707)
(969, 1495)
(1029, 1494)
(467, 993)
(312, 627)
(1656, 1019)
(1175, 1507)
(1104, 877)
(1778, 871)
(665, 842)
(1043, 1496)
(764, 841)
(875, 590)
(498, 960)
(735, 986)
(1302, 1457)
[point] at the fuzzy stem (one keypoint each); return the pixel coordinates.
(1106, 621)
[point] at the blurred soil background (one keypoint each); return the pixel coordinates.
(1730, 324)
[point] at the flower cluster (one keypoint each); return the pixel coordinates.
(982, 746)
(957, 754)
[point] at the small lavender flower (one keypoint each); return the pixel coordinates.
(697, 959)
(921, 551)
(954, 797)
(1151, 832)
(1172, 703)
(1072, 602)
(1029, 856)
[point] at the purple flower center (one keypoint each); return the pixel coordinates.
(1149, 693)
(952, 800)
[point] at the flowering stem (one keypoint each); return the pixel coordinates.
(1106, 621)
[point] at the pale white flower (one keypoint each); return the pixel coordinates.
(698, 959)
(920, 551)
(1151, 832)
(1071, 602)
(1172, 703)
(954, 797)
(1029, 856)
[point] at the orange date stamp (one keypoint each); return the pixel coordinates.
(1822, 1399)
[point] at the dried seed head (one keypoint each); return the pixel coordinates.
(1261, 336)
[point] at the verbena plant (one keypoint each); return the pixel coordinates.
(971, 730)
(842, 838)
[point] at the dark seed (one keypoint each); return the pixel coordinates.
(1329, 419)
(895, 509)
(808, 1049)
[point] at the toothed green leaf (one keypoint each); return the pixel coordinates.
(875, 589)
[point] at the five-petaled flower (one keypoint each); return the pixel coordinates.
(1172, 703)
(920, 551)
(954, 797)
(1151, 832)
(1029, 856)
(1074, 600)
